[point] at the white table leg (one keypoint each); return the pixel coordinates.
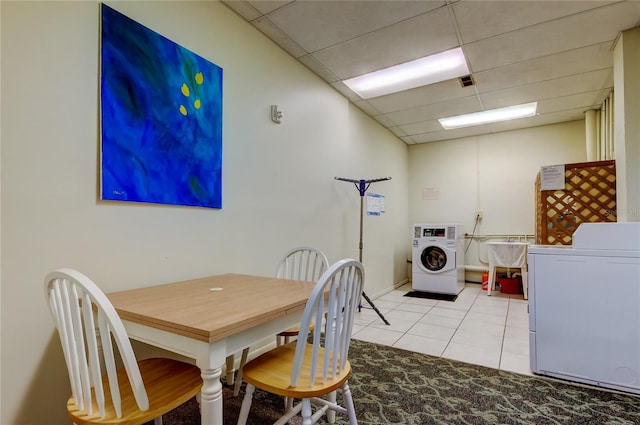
(525, 283)
(211, 397)
(492, 278)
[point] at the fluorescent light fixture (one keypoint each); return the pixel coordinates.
(491, 115)
(420, 72)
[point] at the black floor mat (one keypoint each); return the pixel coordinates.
(431, 295)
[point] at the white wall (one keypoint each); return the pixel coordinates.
(278, 180)
(494, 173)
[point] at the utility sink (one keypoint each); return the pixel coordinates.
(507, 254)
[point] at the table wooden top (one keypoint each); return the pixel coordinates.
(214, 307)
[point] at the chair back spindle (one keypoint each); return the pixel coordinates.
(74, 300)
(302, 263)
(342, 285)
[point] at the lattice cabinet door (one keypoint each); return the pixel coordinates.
(589, 196)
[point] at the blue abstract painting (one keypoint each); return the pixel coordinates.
(161, 118)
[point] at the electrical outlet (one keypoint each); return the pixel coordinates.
(478, 215)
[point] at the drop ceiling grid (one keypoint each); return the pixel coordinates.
(558, 53)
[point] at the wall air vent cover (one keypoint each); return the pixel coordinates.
(466, 81)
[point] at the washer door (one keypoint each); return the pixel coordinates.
(437, 259)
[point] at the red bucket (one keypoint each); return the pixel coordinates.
(510, 285)
(485, 281)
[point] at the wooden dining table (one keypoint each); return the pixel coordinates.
(209, 318)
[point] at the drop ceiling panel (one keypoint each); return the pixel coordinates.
(566, 86)
(382, 119)
(558, 53)
(542, 119)
(276, 34)
(434, 93)
(266, 6)
(422, 127)
(582, 101)
(538, 120)
(244, 9)
(417, 37)
(512, 15)
(436, 110)
(366, 106)
(449, 134)
(572, 62)
(398, 131)
(347, 92)
(587, 28)
(319, 68)
(306, 21)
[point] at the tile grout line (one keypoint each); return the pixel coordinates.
(459, 324)
(504, 333)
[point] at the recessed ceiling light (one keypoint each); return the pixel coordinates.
(420, 72)
(491, 115)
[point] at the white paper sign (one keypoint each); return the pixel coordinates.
(375, 204)
(552, 177)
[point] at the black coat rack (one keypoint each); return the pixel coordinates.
(362, 186)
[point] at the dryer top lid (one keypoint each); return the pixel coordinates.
(609, 236)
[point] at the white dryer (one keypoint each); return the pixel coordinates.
(584, 309)
(438, 258)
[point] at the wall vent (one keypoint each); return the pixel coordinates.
(466, 81)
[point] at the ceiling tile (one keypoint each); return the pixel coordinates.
(591, 58)
(437, 110)
(580, 30)
(420, 36)
(384, 120)
(583, 101)
(566, 86)
(244, 9)
(437, 136)
(434, 93)
(366, 106)
(422, 127)
(275, 34)
(267, 6)
(306, 21)
(398, 131)
(321, 71)
(558, 53)
(511, 15)
(538, 120)
(346, 91)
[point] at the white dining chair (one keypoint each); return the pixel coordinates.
(88, 325)
(301, 263)
(310, 370)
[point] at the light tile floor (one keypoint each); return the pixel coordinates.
(491, 331)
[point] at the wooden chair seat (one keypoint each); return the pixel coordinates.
(169, 384)
(94, 341)
(302, 263)
(292, 331)
(271, 371)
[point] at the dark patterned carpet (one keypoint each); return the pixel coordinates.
(392, 386)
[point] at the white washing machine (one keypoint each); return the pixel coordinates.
(438, 258)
